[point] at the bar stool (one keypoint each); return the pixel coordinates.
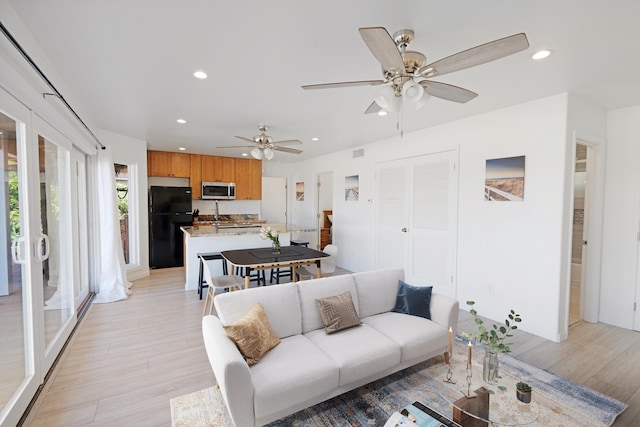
(208, 256)
(257, 275)
(226, 282)
(289, 271)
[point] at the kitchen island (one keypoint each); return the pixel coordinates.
(212, 238)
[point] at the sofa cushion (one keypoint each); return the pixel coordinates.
(359, 352)
(281, 303)
(377, 290)
(311, 290)
(413, 300)
(252, 334)
(294, 372)
(338, 313)
(416, 335)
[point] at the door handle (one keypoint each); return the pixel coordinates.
(404, 229)
(43, 242)
(16, 252)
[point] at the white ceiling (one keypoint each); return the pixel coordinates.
(130, 63)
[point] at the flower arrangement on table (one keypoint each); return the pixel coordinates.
(271, 234)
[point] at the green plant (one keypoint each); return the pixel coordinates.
(523, 387)
(496, 336)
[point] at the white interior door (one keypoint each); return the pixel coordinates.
(274, 200)
(391, 214)
(416, 218)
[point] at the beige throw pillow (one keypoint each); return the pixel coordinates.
(338, 312)
(252, 334)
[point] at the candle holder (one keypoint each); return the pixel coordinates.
(469, 376)
(449, 375)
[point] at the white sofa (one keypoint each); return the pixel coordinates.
(309, 366)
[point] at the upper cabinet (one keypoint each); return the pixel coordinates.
(218, 169)
(248, 179)
(246, 173)
(164, 163)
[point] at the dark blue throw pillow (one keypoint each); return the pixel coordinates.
(414, 300)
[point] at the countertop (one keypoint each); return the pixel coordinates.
(212, 230)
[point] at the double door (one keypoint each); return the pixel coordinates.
(416, 219)
(40, 280)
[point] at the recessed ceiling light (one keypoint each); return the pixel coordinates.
(244, 154)
(181, 148)
(315, 139)
(382, 113)
(541, 54)
(200, 74)
(181, 121)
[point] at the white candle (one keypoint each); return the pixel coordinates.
(450, 340)
(470, 347)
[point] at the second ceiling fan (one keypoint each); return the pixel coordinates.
(406, 73)
(265, 146)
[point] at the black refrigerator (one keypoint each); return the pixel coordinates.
(169, 209)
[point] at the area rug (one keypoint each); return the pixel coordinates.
(556, 401)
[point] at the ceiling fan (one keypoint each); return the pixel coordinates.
(265, 146)
(406, 72)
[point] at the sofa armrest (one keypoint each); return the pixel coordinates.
(231, 371)
(444, 311)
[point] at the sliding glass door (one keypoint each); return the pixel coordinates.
(37, 312)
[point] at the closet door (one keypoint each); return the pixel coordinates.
(416, 219)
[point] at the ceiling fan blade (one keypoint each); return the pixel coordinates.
(287, 150)
(246, 139)
(287, 142)
(238, 146)
(373, 108)
(380, 43)
(476, 55)
(343, 84)
(447, 91)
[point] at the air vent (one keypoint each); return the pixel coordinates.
(358, 153)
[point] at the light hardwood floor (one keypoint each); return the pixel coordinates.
(127, 359)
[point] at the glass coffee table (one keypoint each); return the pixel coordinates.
(502, 408)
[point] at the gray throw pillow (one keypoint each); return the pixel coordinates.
(338, 312)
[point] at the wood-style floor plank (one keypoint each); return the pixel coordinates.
(128, 359)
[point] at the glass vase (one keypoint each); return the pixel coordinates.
(490, 367)
(275, 248)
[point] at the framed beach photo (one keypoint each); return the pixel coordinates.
(300, 191)
(351, 188)
(504, 179)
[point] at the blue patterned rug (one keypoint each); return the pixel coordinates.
(556, 401)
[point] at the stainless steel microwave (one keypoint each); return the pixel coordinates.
(219, 190)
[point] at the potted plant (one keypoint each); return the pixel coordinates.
(495, 338)
(523, 392)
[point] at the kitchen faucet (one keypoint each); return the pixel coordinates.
(216, 215)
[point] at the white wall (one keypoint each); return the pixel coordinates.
(516, 247)
(133, 152)
(621, 217)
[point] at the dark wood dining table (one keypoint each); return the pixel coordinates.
(265, 259)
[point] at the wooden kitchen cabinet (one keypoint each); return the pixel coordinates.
(195, 180)
(165, 163)
(248, 179)
(218, 169)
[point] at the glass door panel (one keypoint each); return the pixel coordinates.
(54, 243)
(12, 332)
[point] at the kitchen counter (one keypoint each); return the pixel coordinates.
(212, 238)
(210, 230)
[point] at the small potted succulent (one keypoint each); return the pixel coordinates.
(523, 392)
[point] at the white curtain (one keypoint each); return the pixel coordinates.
(113, 283)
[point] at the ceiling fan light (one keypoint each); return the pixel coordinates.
(423, 100)
(268, 153)
(257, 153)
(412, 92)
(386, 99)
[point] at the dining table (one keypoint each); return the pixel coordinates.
(265, 259)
